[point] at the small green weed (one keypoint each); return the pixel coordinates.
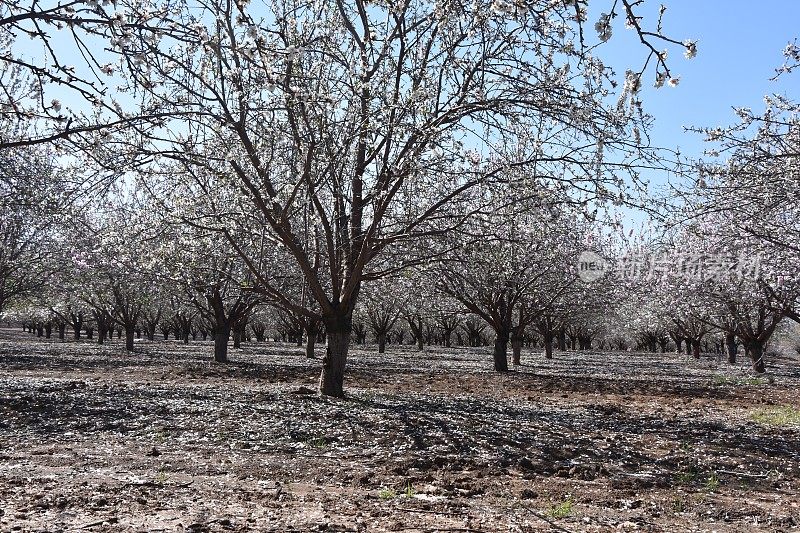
(387, 494)
(317, 442)
(712, 482)
(719, 380)
(678, 505)
(562, 510)
(780, 415)
(161, 477)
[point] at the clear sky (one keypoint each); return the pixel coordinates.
(740, 44)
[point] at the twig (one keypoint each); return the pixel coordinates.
(444, 513)
(540, 516)
(92, 524)
(742, 474)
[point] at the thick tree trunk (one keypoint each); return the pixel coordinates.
(696, 349)
(62, 331)
(678, 345)
(688, 347)
(382, 343)
(730, 343)
(501, 352)
(221, 336)
(516, 347)
(48, 330)
(130, 334)
(331, 380)
(756, 352)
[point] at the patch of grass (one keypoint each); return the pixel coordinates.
(719, 380)
(678, 505)
(317, 442)
(387, 494)
(562, 510)
(686, 476)
(712, 482)
(160, 436)
(161, 477)
(779, 415)
(408, 491)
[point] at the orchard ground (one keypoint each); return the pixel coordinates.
(94, 439)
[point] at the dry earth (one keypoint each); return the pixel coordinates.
(92, 439)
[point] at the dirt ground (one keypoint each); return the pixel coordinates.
(93, 439)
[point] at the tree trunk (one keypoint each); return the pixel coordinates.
(548, 346)
(756, 351)
(688, 346)
(312, 327)
(696, 349)
(562, 341)
(730, 343)
(130, 334)
(382, 343)
(222, 334)
(516, 346)
(678, 343)
(62, 330)
(331, 380)
(501, 352)
(48, 330)
(311, 341)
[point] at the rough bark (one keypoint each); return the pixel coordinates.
(381, 343)
(548, 346)
(312, 330)
(732, 349)
(501, 351)
(222, 334)
(755, 349)
(331, 380)
(516, 346)
(130, 333)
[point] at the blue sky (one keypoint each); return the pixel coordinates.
(740, 44)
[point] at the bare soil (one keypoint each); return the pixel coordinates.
(94, 439)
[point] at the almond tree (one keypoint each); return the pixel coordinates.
(521, 262)
(346, 129)
(30, 199)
